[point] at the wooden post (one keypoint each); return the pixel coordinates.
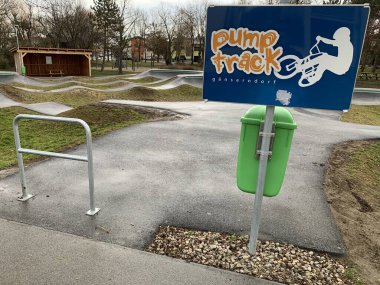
(16, 56)
(89, 63)
(22, 61)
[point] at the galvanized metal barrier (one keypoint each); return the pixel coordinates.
(88, 158)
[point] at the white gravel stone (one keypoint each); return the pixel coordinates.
(274, 261)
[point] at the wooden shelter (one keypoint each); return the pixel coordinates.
(52, 61)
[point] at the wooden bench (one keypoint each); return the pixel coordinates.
(56, 72)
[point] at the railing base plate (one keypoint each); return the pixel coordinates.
(92, 213)
(25, 198)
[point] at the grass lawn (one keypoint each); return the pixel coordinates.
(117, 83)
(184, 66)
(364, 168)
(162, 82)
(53, 136)
(80, 97)
(8, 69)
(352, 186)
(147, 79)
(115, 71)
(84, 81)
(363, 114)
(68, 84)
(142, 63)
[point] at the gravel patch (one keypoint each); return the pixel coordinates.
(273, 261)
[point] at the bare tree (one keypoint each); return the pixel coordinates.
(23, 17)
(200, 24)
(78, 29)
(5, 6)
(125, 22)
(168, 22)
(62, 23)
(371, 48)
(156, 41)
(142, 26)
(188, 16)
(7, 33)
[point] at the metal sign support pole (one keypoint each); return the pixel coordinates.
(264, 152)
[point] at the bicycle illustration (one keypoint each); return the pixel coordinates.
(316, 63)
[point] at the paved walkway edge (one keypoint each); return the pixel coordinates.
(368, 90)
(34, 255)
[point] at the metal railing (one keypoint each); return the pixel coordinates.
(88, 158)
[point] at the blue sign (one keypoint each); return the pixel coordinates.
(294, 56)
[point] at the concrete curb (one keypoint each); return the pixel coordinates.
(33, 255)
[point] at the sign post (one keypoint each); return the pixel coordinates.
(264, 152)
(288, 56)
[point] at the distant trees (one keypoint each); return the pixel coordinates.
(189, 28)
(168, 23)
(108, 27)
(125, 21)
(7, 35)
(107, 19)
(371, 48)
(141, 29)
(156, 40)
(111, 26)
(200, 24)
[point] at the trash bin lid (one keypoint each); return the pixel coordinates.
(282, 117)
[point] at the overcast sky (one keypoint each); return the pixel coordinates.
(149, 4)
(154, 3)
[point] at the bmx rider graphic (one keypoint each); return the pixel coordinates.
(316, 63)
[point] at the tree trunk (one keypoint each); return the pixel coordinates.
(139, 49)
(202, 52)
(192, 52)
(374, 64)
(120, 61)
(103, 60)
(364, 60)
(104, 50)
(169, 53)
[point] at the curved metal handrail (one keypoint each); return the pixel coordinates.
(88, 158)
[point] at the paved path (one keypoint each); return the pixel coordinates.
(169, 78)
(127, 86)
(47, 108)
(32, 255)
(9, 77)
(366, 96)
(183, 173)
(194, 80)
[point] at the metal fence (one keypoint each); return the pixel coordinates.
(88, 158)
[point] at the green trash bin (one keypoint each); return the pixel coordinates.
(23, 70)
(248, 159)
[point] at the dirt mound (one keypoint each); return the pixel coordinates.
(352, 187)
